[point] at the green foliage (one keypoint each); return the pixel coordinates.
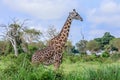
(92, 58)
(105, 39)
(32, 35)
(93, 45)
(68, 47)
(71, 58)
(105, 54)
(20, 68)
(32, 49)
(81, 46)
(74, 50)
(9, 48)
(2, 47)
(115, 56)
(116, 43)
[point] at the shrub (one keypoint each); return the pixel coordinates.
(32, 49)
(105, 54)
(115, 56)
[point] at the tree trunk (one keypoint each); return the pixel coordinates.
(118, 50)
(13, 41)
(15, 49)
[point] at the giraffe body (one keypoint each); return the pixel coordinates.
(52, 54)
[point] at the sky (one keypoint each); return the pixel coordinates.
(99, 16)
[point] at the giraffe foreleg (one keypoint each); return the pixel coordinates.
(58, 60)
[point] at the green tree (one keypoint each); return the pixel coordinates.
(81, 46)
(9, 48)
(74, 50)
(32, 47)
(116, 43)
(93, 46)
(107, 37)
(19, 36)
(32, 35)
(68, 46)
(3, 46)
(14, 34)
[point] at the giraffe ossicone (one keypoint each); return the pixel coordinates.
(53, 53)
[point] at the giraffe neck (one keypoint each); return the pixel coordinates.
(65, 30)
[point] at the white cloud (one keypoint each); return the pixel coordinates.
(95, 33)
(107, 13)
(33, 25)
(0, 21)
(43, 9)
(110, 7)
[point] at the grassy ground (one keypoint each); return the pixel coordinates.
(12, 68)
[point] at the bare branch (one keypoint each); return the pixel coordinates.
(14, 20)
(2, 35)
(24, 22)
(82, 35)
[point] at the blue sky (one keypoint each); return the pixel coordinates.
(99, 16)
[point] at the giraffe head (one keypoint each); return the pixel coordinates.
(75, 15)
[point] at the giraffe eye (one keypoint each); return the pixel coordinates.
(76, 14)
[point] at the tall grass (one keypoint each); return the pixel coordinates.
(21, 69)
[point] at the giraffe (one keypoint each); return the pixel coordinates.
(72, 15)
(52, 54)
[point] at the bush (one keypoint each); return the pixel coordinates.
(32, 49)
(105, 54)
(115, 56)
(21, 69)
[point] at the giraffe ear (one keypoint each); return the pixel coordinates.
(70, 12)
(74, 10)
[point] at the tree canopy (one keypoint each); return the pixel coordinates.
(105, 39)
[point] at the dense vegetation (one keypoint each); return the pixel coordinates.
(73, 67)
(19, 43)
